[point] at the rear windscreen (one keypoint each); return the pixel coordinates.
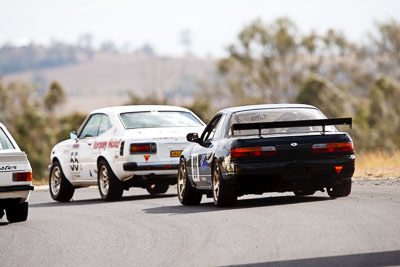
(159, 119)
(281, 114)
(5, 143)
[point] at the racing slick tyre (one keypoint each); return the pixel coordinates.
(224, 195)
(110, 187)
(17, 212)
(155, 189)
(301, 193)
(60, 188)
(186, 193)
(340, 190)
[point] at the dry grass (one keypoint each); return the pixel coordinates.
(378, 165)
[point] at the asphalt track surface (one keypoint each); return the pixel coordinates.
(268, 230)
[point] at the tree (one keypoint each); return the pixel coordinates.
(54, 97)
(22, 114)
(270, 62)
(384, 119)
(263, 64)
(319, 92)
(30, 119)
(385, 48)
(185, 39)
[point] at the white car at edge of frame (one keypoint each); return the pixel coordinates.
(15, 179)
(121, 147)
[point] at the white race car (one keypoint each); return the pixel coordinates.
(120, 147)
(15, 179)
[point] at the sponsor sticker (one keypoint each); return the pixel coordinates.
(175, 153)
(100, 145)
(114, 143)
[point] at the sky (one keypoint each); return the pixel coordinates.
(213, 24)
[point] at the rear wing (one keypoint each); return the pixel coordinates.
(286, 124)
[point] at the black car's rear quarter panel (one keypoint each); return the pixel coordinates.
(294, 167)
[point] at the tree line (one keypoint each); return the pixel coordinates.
(34, 121)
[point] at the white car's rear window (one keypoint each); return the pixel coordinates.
(157, 119)
(5, 143)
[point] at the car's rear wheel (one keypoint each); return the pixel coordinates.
(110, 187)
(60, 188)
(187, 195)
(17, 212)
(224, 195)
(301, 193)
(155, 189)
(340, 190)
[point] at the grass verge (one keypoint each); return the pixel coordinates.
(377, 165)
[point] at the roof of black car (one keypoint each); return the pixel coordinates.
(264, 106)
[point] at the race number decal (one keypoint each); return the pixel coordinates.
(74, 162)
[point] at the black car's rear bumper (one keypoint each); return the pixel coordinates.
(289, 175)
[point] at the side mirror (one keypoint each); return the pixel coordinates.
(73, 135)
(192, 137)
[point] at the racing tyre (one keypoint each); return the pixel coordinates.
(60, 188)
(17, 212)
(186, 193)
(340, 190)
(224, 195)
(301, 193)
(155, 189)
(110, 187)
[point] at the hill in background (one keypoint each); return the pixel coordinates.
(93, 79)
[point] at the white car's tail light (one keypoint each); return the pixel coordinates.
(143, 148)
(22, 177)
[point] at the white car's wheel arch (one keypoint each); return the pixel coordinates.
(64, 167)
(109, 159)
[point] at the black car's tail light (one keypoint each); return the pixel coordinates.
(253, 151)
(143, 148)
(332, 147)
(22, 177)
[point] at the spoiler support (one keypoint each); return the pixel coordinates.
(286, 124)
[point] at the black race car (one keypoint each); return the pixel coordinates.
(266, 148)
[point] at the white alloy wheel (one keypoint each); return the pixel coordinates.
(104, 180)
(55, 180)
(181, 181)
